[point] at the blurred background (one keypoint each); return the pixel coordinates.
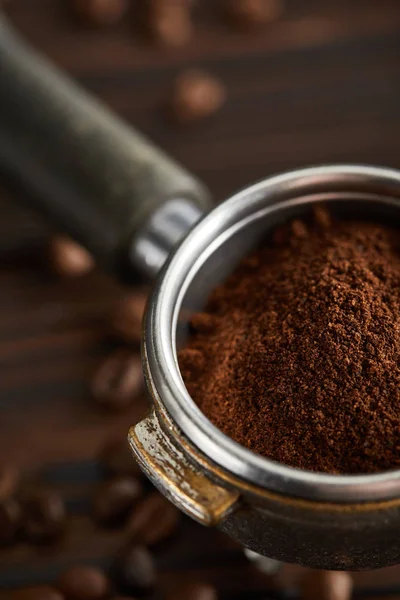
(234, 91)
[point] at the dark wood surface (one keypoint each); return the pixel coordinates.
(322, 85)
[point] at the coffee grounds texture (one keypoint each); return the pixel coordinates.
(297, 354)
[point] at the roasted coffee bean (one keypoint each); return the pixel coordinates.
(193, 591)
(84, 583)
(118, 381)
(250, 14)
(127, 317)
(44, 515)
(196, 95)
(68, 258)
(299, 229)
(326, 585)
(9, 479)
(169, 22)
(100, 12)
(153, 520)
(322, 216)
(40, 592)
(10, 520)
(115, 499)
(117, 459)
(134, 571)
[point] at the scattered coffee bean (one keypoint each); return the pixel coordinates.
(9, 479)
(250, 14)
(135, 572)
(127, 317)
(41, 592)
(100, 12)
(193, 591)
(84, 583)
(117, 459)
(322, 216)
(195, 96)
(169, 22)
(118, 381)
(10, 521)
(115, 499)
(326, 585)
(68, 258)
(299, 229)
(153, 520)
(44, 515)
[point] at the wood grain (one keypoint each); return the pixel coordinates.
(322, 85)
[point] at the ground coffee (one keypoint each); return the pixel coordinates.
(297, 355)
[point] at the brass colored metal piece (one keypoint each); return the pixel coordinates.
(178, 478)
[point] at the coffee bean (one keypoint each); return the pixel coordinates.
(100, 12)
(115, 499)
(299, 229)
(169, 22)
(10, 520)
(117, 459)
(193, 591)
(153, 520)
(326, 585)
(250, 14)
(68, 258)
(196, 95)
(40, 592)
(127, 317)
(134, 571)
(118, 381)
(84, 583)
(44, 515)
(322, 216)
(9, 479)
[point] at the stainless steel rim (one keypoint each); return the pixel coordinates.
(263, 198)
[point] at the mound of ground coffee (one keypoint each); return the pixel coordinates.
(297, 355)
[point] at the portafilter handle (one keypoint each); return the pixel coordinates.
(97, 178)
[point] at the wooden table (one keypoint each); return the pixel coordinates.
(322, 85)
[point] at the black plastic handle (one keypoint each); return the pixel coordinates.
(95, 176)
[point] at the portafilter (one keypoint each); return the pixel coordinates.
(129, 205)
